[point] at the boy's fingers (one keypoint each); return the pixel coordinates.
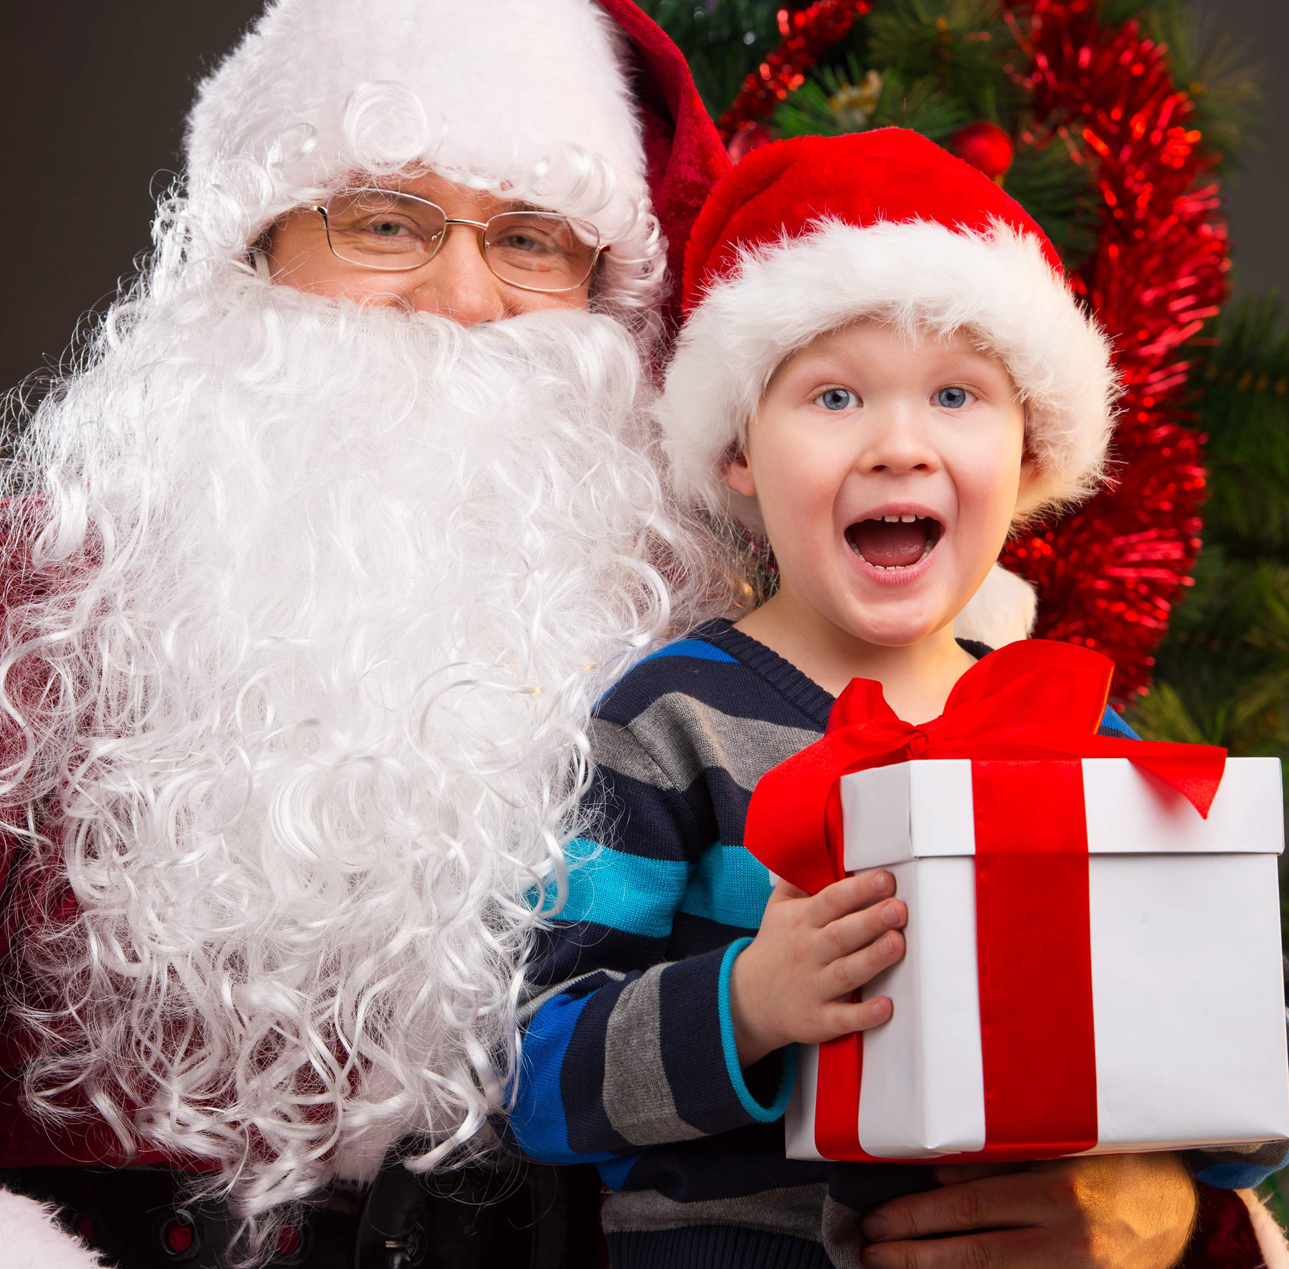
(857, 929)
(859, 1016)
(849, 973)
(850, 894)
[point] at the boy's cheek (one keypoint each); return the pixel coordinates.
(798, 500)
(988, 485)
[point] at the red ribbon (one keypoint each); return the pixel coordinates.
(1025, 715)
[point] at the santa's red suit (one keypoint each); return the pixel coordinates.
(306, 605)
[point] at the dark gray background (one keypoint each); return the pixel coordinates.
(93, 98)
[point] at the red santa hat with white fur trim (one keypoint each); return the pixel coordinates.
(806, 235)
(578, 106)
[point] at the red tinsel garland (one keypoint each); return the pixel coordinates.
(1108, 573)
(806, 34)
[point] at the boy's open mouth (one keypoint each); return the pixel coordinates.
(893, 542)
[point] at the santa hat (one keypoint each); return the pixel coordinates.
(806, 235)
(582, 107)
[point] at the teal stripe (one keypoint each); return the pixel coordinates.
(628, 892)
(762, 1114)
(729, 886)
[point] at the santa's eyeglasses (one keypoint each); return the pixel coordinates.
(391, 231)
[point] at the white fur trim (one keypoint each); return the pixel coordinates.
(915, 275)
(1271, 1238)
(1002, 611)
(33, 1239)
(526, 96)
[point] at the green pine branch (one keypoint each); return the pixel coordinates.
(961, 45)
(1222, 674)
(1241, 389)
(1059, 193)
(851, 99)
(723, 40)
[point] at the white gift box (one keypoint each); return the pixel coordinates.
(1187, 989)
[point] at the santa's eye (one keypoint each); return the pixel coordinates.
(837, 399)
(953, 398)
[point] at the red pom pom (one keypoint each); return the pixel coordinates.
(985, 146)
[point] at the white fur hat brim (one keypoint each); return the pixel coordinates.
(916, 275)
(33, 1239)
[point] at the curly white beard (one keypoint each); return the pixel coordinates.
(315, 729)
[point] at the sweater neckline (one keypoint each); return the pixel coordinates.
(803, 692)
(794, 686)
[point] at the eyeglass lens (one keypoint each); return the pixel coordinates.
(384, 229)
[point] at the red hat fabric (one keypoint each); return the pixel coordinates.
(890, 174)
(807, 235)
(684, 155)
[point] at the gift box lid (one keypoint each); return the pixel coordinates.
(923, 810)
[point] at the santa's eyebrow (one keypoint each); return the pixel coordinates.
(528, 207)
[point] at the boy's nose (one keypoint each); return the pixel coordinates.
(897, 444)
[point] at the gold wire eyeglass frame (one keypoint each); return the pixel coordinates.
(481, 226)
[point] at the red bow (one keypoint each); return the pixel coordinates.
(1025, 716)
(1034, 699)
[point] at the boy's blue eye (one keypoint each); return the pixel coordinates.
(837, 399)
(952, 398)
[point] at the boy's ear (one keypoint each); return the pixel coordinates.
(738, 475)
(1029, 476)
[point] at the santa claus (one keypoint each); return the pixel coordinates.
(314, 569)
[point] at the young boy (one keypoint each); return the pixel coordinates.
(882, 370)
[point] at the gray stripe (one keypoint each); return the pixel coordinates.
(684, 737)
(843, 1238)
(637, 1094)
(531, 1004)
(796, 1210)
(615, 747)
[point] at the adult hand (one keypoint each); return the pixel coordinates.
(1099, 1212)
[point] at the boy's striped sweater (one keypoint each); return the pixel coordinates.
(628, 1051)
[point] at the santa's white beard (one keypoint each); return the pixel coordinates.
(314, 734)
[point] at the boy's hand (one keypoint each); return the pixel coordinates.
(795, 982)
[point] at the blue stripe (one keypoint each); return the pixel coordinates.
(697, 649)
(627, 892)
(1113, 725)
(537, 1119)
(762, 1114)
(729, 886)
(614, 1173)
(1234, 1176)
